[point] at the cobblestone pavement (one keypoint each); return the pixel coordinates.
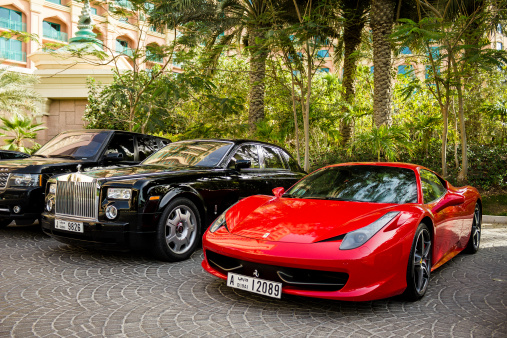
(49, 289)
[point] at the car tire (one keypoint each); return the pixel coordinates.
(475, 233)
(178, 231)
(419, 264)
(4, 223)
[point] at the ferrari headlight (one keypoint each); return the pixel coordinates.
(24, 180)
(119, 194)
(218, 223)
(356, 238)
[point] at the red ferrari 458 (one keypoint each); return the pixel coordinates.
(353, 231)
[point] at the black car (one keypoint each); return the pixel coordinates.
(11, 154)
(165, 203)
(22, 181)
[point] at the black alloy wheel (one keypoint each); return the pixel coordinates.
(178, 231)
(475, 234)
(419, 264)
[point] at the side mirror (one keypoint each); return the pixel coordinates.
(449, 200)
(113, 157)
(278, 192)
(242, 164)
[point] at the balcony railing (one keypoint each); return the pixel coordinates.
(14, 25)
(55, 35)
(13, 55)
(124, 3)
(126, 51)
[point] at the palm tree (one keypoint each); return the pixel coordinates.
(16, 92)
(354, 16)
(20, 128)
(384, 140)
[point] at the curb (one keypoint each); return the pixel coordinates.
(495, 220)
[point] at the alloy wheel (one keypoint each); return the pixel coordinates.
(180, 229)
(422, 261)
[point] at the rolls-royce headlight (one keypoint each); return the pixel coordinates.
(119, 194)
(24, 180)
(356, 238)
(52, 188)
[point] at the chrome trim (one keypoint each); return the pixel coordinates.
(5, 210)
(8, 177)
(77, 200)
(231, 269)
(280, 273)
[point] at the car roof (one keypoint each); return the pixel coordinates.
(236, 142)
(109, 131)
(383, 164)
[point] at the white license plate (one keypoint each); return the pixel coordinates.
(69, 226)
(256, 285)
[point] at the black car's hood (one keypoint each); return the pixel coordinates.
(140, 171)
(36, 165)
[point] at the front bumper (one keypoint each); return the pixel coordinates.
(369, 274)
(103, 235)
(29, 199)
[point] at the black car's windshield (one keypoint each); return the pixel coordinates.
(190, 153)
(359, 183)
(76, 145)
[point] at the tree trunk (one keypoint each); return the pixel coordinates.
(352, 38)
(257, 75)
(296, 128)
(381, 23)
(444, 141)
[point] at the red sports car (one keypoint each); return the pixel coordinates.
(353, 231)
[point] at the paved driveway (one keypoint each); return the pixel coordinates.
(49, 289)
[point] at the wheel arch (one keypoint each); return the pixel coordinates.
(188, 193)
(429, 223)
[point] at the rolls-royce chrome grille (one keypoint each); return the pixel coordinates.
(77, 199)
(4, 177)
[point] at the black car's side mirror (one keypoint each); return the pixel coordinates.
(113, 157)
(242, 164)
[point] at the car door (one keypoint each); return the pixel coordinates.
(121, 143)
(251, 181)
(447, 222)
(275, 170)
(147, 145)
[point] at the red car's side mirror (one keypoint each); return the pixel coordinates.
(449, 200)
(278, 192)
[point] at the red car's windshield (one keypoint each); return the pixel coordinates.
(359, 183)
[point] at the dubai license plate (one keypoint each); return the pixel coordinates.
(69, 226)
(256, 285)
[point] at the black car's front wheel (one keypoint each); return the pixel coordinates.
(419, 264)
(178, 231)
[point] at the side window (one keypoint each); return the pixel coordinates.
(431, 185)
(146, 146)
(271, 158)
(246, 152)
(123, 144)
(293, 164)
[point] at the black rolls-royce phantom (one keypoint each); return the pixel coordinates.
(165, 203)
(22, 181)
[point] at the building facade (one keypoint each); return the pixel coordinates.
(54, 22)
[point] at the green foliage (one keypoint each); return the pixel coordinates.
(18, 129)
(385, 140)
(16, 92)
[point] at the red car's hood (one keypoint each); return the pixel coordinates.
(300, 220)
